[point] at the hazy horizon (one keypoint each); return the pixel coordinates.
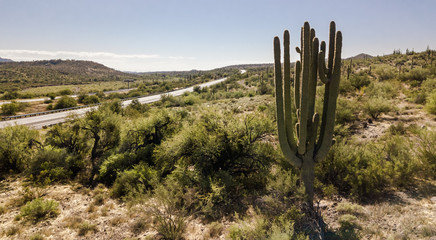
(144, 36)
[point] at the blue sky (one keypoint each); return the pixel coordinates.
(152, 35)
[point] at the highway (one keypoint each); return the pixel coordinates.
(38, 122)
(74, 96)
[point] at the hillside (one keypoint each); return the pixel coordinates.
(22, 75)
(5, 60)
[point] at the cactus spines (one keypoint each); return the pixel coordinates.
(308, 149)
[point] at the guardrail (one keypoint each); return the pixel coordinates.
(67, 109)
(79, 107)
(47, 112)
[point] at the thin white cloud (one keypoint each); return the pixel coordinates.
(41, 54)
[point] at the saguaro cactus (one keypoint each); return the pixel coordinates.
(304, 148)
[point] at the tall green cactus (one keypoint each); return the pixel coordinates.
(303, 149)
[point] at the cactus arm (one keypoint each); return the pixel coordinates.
(297, 85)
(283, 140)
(331, 48)
(287, 91)
(321, 68)
(326, 141)
(313, 76)
(321, 64)
(304, 90)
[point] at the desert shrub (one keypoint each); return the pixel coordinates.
(134, 182)
(364, 170)
(345, 86)
(418, 75)
(10, 95)
(13, 107)
(349, 227)
(39, 209)
(349, 208)
(146, 133)
(16, 147)
(138, 107)
(65, 102)
(12, 230)
(52, 165)
(115, 164)
(347, 111)
(69, 136)
(90, 99)
(261, 227)
(397, 151)
(36, 236)
(190, 100)
(427, 153)
(264, 88)
(86, 227)
(374, 107)
(250, 229)
(51, 95)
(168, 211)
(168, 100)
(385, 73)
(430, 104)
(386, 89)
(360, 80)
(227, 156)
(65, 92)
(359, 170)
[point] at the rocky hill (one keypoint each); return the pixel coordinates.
(21, 75)
(5, 60)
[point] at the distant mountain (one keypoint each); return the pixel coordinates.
(5, 60)
(360, 56)
(21, 75)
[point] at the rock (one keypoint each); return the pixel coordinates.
(433, 199)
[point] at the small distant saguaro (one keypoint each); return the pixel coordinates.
(300, 143)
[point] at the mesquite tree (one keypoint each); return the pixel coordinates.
(300, 144)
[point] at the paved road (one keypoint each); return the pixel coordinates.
(39, 122)
(74, 96)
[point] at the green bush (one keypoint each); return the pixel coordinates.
(427, 153)
(360, 80)
(134, 182)
(385, 73)
(359, 170)
(347, 111)
(65, 92)
(366, 169)
(16, 147)
(223, 157)
(430, 105)
(65, 102)
(374, 107)
(39, 209)
(418, 75)
(386, 89)
(53, 165)
(13, 107)
(115, 164)
(89, 99)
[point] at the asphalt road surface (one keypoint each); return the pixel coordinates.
(39, 122)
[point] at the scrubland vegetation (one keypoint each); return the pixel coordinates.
(207, 165)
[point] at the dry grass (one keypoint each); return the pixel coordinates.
(85, 227)
(94, 87)
(400, 215)
(12, 230)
